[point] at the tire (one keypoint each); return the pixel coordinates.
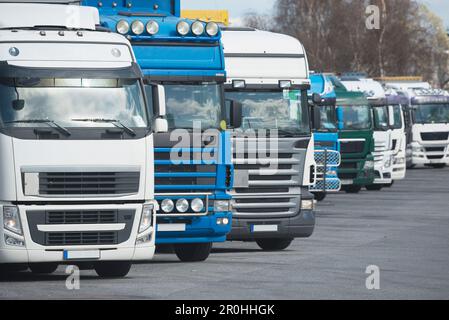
(273, 244)
(374, 187)
(352, 189)
(193, 252)
(112, 269)
(319, 196)
(164, 248)
(438, 166)
(43, 268)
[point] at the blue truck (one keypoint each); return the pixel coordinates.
(325, 130)
(193, 168)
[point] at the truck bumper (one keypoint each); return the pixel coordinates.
(201, 229)
(300, 226)
(34, 250)
(399, 167)
(428, 154)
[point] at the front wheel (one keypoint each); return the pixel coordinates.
(193, 252)
(43, 268)
(319, 196)
(352, 189)
(274, 244)
(374, 187)
(112, 269)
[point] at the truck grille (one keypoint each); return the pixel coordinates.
(80, 238)
(54, 235)
(88, 183)
(435, 149)
(352, 146)
(279, 185)
(434, 136)
(81, 217)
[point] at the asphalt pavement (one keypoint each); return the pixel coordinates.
(403, 232)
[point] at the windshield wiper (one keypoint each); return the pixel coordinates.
(290, 133)
(115, 122)
(46, 121)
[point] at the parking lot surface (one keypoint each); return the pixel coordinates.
(403, 230)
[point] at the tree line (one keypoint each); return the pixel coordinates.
(410, 40)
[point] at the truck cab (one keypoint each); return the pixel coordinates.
(355, 132)
(273, 152)
(323, 114)
(76, 143)
(383, 154)
(193, 169)
(429, 123)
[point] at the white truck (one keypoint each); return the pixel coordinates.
(383, 154)
(268, 77)
(76, 143)
(428, 118)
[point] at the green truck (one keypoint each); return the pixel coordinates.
(355, 130)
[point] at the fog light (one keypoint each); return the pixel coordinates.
(221, 206)
(144, 239)
(223, 221)
(11, 241)
(167, 205)
(182, 205)
(197, 205)
(308, 204)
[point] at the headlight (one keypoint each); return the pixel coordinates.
(197, 205)
(122, 27)
(167, 205)
(137, 27)
(308, 204)
(212, 29)
(222, 206)
(182, 205)
(152, 27)
(183, 28)
(11, 220)
(368, 165)
(147, 217)
(197, 28)
(418, 149)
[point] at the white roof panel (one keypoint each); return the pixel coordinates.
(29, 15)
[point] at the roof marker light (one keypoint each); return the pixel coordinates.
(137, 27)
(122, 27)
(197, 28)
(183, 28)
(152, 27)
(212, 29)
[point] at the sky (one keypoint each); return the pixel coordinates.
(238, 8)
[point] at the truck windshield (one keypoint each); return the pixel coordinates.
(431, 113)
(355, 118)
(270, 110)
(327, 118)
(397, 114)
(71, 103)
(380, 118)
(194, 104)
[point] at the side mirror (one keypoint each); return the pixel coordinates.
(316, 98)
(160, 125)
(159, 100)
(18, 104)
(235, 113)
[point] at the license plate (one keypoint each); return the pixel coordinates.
(346, 182)
(264, 228)
(171, 227)
(81, 254)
